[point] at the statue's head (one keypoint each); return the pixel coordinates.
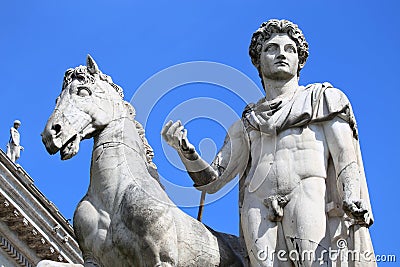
(267, 30)
(17, 123)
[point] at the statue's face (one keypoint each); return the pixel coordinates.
(279, 59)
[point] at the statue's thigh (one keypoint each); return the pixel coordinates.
(263, 237)
(304, 219)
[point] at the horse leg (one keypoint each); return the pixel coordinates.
(161, 254)
(152, 224)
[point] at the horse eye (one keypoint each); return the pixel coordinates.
(80, 78)
(84, 91)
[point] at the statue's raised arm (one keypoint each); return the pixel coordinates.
(230, 161)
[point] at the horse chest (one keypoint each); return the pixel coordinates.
(92, 226)
(97, 232)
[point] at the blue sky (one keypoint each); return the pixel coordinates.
(353, 44)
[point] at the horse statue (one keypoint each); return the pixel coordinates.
(126, 218)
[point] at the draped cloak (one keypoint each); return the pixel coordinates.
(313, 104)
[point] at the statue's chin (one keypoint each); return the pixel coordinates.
(70, 148)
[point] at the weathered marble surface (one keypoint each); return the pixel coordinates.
(48, 263)
(126, 218)
(302, 186)
(13, 147)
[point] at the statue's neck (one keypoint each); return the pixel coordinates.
(280, 88)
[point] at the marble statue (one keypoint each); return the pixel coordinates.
(125, 218)
(303, 190)
(13, 147)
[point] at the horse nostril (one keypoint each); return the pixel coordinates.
(56, 128)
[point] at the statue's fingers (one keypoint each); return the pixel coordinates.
(254, 117)
(260, 120)
(178, 136)
(184, 141)
(172, 129)
(355, 210)
(360, 204)
(266, 115)
(165, 128)
(359, 211)
(184, 135)
(178, 131)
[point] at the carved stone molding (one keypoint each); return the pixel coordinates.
(27, 232)
(14, 253)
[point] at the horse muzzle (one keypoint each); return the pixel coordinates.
(52, 143)
(57, 134)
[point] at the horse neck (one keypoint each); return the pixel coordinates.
(118, 131)
(118, 151)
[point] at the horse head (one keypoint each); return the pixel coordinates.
(88, 102)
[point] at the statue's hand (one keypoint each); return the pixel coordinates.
(186, 146)
(21, 147)
(176, 136)
(355, 209)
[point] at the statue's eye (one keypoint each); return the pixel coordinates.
(290, 49)
(83, 91)
(270, 48)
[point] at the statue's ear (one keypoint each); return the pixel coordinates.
(91, 65)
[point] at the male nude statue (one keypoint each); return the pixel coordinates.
(302, 183)
(13, 147)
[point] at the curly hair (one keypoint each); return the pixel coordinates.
(264, 33)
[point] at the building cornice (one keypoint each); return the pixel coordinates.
(14, 253)
(33, 218)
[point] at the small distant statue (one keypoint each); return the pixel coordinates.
(13, 147)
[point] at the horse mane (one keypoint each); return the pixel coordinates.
(82, 73)
(149, 152)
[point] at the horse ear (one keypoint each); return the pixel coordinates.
(91, 65)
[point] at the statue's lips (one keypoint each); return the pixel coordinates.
(281, 63)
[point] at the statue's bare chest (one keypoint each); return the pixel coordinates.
(279, 162)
